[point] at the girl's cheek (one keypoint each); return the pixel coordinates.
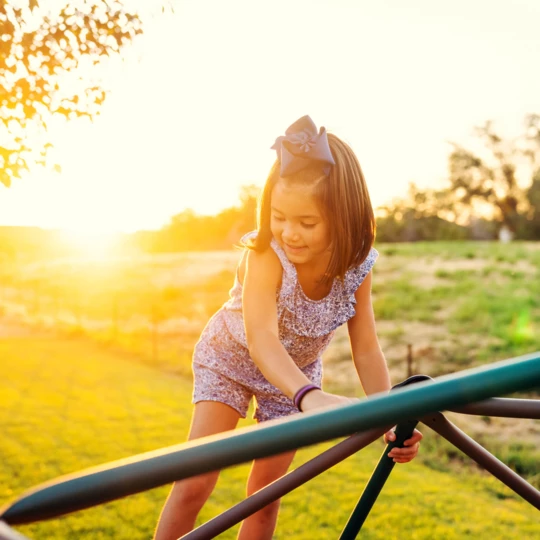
(276, 228)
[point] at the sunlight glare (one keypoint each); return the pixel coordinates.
(91, 245)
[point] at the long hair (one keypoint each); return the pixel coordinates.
(344, 203)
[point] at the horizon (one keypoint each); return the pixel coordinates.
(193, 112)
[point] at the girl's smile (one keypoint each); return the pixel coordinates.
(293, 249)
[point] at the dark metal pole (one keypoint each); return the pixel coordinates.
(503, 407)
(285, 485)
(437, 422)
(404, 431)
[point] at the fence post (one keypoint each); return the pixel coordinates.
(409, 360)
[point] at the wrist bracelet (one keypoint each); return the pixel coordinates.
(297, 399)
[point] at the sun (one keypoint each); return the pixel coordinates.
(92, 245)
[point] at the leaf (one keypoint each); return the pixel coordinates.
(5, 178)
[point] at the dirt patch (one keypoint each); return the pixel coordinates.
(427, 281)
(340, 372)
(434, 352)
(500, 429)
(423, 271)
(429, 266)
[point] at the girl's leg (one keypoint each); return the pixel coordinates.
(188, 496)
(261, 525)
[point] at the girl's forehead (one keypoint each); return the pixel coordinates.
(295, 199)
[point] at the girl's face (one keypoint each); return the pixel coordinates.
(298, 225)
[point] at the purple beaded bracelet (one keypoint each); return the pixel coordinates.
(299, 396)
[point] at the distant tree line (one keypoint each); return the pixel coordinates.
(188, 231)
(433, 215)
(482, 196)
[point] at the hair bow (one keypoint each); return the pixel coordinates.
(301, 145)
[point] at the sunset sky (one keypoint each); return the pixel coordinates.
(195, 108)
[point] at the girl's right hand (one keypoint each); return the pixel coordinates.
(318, 399)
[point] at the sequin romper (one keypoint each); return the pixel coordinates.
(224, 371)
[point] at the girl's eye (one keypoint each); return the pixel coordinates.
(277, 218)
(308, 225)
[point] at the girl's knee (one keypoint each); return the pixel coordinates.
(192, 492)
(261, 480)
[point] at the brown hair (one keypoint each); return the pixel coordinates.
(344, 202)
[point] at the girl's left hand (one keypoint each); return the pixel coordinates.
(409, 450)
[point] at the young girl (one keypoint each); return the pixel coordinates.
(304, 272)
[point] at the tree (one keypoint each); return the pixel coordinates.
(49, 52)
(491, 181)
(533, 194)
(532, 140)
(249, 196)
(191, 231)
(419, 216)
(531, 224)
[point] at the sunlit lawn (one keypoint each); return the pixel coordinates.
(457, 304)
(469, 302)
(69, 404)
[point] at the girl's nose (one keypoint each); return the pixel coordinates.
(290, 232)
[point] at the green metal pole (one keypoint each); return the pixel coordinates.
(404, 431)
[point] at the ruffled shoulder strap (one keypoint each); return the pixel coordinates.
(356, 275)
(248, 236)
(288, 266)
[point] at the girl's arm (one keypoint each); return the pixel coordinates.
(366, 352)
(261, 278)
(371, 364)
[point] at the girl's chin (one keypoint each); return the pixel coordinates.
(298, 259)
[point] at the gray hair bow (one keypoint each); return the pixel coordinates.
(301, 146)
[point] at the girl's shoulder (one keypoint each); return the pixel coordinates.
(276, 250)
(269, 260)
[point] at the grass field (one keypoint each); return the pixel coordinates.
(456, 304)
(66, 404)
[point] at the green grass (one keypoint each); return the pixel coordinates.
(467, 288)
(482, 289)
(458, 304)
(449, 250)
(67, 404)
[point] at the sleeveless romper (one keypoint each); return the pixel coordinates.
(224, 371)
